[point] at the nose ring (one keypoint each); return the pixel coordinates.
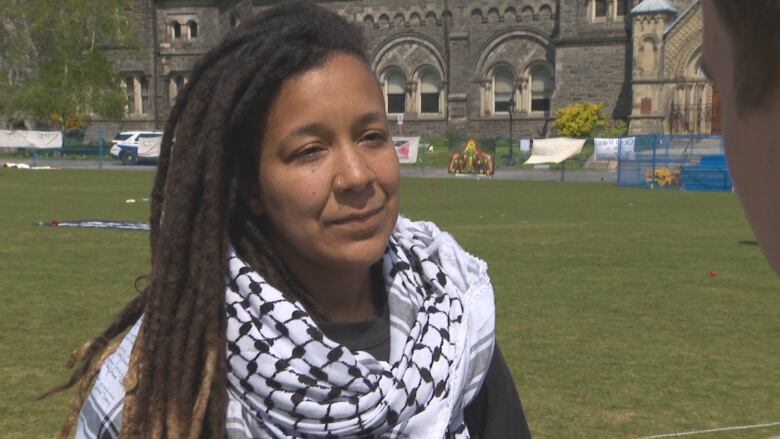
(339, 183)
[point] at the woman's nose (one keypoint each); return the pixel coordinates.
(354, 170)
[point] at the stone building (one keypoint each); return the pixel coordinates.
(459, 66)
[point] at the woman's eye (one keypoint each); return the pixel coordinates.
(374, 138)
(308, 153)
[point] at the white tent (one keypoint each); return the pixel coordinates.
(554, 150)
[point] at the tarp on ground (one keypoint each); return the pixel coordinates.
(607, 149)
(149, 147)
(30, 139)
(554, 150)
(406, 148)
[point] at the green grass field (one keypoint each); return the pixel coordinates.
(607, 314)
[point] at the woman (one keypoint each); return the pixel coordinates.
(287, 297)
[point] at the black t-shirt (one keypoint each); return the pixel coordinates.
(495, 412)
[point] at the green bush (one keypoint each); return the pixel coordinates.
(579, 120)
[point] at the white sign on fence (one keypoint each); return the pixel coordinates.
(525, 145)
(407, 148)
(30, 139)
(607, 149)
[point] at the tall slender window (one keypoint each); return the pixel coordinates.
(130, 94)
(429, 92)
(144, 95)
(541, 89)
(600, 8)
(503, 86)
(175, 30)
(396, 93)
(174, 88)
(193, 29)
(620, 8)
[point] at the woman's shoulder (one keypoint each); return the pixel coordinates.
(466, 270)
(102, 412)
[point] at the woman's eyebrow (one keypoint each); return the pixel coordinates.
(311, 129)
(368, 118)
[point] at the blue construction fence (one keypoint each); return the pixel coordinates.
(676, 161)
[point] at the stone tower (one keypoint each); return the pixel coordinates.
(650, 20)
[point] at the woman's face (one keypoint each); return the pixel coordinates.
(329, 174)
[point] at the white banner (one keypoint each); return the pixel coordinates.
(607, 149)
(407, 148)
(554, 150)
(525, 145)
(627, 148)
(149, 146)
(30, 139)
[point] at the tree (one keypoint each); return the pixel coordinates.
(53, 65)
(579, 120)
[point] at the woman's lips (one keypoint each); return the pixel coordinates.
(358, 217)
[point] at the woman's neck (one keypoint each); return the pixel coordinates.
(343, 297)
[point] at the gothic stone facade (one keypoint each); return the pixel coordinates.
(456, 65)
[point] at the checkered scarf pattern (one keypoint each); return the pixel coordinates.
(296, 382)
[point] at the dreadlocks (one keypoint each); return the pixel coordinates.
(176, 382)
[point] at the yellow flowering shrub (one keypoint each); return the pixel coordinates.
(579, 120)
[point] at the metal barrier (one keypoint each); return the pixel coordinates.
(684, 162)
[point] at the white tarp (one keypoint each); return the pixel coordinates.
(149, 146)
(607, 149)
(30, 139)
(554, 150)
(406, 147)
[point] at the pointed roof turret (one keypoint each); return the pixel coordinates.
(654, 6)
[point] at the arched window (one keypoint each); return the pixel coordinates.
(396, 92)
(545, 12)
(541, 89)
(600, 8)
(503, 88)
(175, 30)
(430, 85)
(193, 29)
(430, 18)
(129, 85)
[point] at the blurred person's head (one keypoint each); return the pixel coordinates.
(742, 57)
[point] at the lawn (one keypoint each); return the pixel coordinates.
(621, 312)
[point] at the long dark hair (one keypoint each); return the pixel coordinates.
(176, 382)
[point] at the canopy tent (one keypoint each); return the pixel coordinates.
(554, 150)
(30, 139)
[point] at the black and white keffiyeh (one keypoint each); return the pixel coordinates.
(299, 383)
(286, 379)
